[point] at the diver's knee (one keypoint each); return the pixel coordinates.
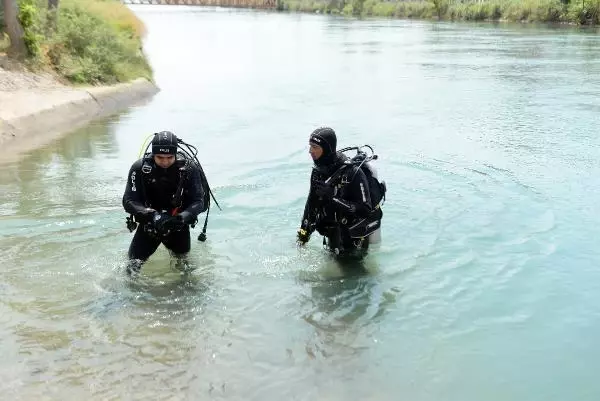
(133, 267)
(179, 255)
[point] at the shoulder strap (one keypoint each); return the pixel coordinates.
(177, 199)
(336, 176)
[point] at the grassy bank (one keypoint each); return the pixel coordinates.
(583, 12)
(84, 41)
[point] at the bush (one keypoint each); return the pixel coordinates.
(93, 42)
(584, 12)
(578, 11)
(29, 18)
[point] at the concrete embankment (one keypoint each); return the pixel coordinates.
(31, 117)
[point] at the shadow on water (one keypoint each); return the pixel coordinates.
(351, 297)
(346, 301)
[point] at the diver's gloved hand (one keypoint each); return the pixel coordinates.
(323, 189)
(185, 218)
(146, 215)
(302, 236)
(158, 220)
(151, 223)
(163, 223)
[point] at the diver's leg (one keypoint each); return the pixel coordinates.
(355, 248)
(178, 244)
(141, 248)
(178, 241)
(334, 240)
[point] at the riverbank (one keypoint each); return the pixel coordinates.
(37, 108)
(546, 11)
(68, 69)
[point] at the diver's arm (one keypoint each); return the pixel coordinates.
(195, 197)
(133, 201)
(309, 215)
(307, 225)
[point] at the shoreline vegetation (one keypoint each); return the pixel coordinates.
(574, 12)
(90, 42)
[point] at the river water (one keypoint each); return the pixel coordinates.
(485, 287)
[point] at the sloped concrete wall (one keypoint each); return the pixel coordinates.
(29, 119)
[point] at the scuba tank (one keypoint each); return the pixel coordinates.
(375, 237)
(370, 226)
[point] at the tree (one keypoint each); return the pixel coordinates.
(1, 18)
(13, 27)
(52, 14)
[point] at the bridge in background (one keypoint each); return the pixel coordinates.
(216, 3)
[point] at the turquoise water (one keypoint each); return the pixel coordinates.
(485, 286)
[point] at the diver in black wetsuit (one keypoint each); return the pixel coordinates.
(339, 204)
(166, 191)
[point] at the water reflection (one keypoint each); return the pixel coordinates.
(347, 300)
(54, 174)
(354, 297)
(97, 138)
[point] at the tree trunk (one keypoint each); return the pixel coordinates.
(52, 15)
(1, 19)
(13, 28)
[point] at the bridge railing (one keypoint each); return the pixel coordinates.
(221, 3)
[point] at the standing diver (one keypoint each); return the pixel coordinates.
(343, 203)
(166, 191)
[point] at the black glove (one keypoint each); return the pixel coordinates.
(302, 237)
(185, 218)
(323, 190)
(151, 223)
(146, 215)
(158, 220)
(164, 224)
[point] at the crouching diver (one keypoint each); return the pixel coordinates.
(344, 200)
(166, 190)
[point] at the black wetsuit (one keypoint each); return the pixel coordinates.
(152, 187)
(331, 215)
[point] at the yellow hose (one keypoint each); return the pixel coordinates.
(144, 145)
